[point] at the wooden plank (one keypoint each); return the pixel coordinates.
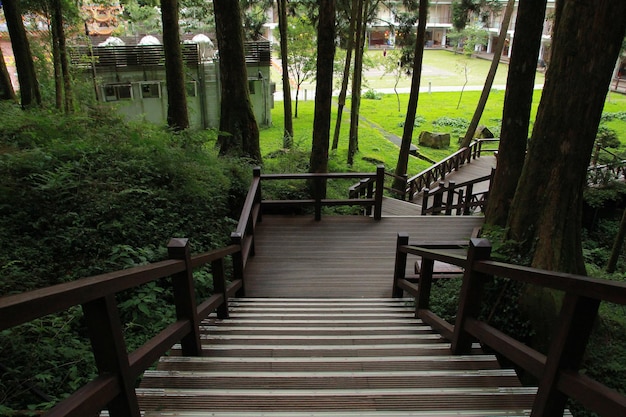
(341, 256)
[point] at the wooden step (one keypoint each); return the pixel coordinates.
(313, 364)
(330, 379)
(422, 399)
(328, 357)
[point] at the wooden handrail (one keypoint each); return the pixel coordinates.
(372, 201)
(557, 372)
(446, 198)
(117, 369)
(438, 172)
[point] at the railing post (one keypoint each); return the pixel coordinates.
(400, 265)
(425, 195)
(471, 294)
(450, 197)
(380, 186)
(109, 350)
(258, 198)
(460, 204)
(468, 200)
(185, 296)
(219, 286)
(368, 190)
(566, 352)
(237, 239)
(438, 198)
(422, 302)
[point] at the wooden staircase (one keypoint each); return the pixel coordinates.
(329, 357)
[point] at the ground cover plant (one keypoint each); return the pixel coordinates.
(87, 194)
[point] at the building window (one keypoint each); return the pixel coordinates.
(251, 86)
(151, 90)
(115, 92)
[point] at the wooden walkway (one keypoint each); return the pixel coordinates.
(319, 336)
(339, 256)
(477, 168)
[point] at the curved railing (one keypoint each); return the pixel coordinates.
(438, 172)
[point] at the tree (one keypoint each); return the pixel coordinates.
(407, 134)
(282, 28)
(29, 88)
(546, 212)
(239, 132)
(357, 73)
(177, 115)
(516, 113)
(254, 17)
(323, 92)
(63, 81)
(491, 75)
(341, 100)
(6, 87)
(302, 54)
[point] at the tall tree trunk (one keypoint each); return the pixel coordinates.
(341, 100)
(517, 105)
(491, 75)
(416, 78)
(288, 120)
(59, 34)
(56, 64)
(239, 132)
(177, 114)
(546, 213)
(6, 87)
(26, 75)
(323, 92)
(357, 74)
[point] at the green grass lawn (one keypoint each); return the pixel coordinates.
(441, 68)
(443, 112)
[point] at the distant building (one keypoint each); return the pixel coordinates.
(132, 77)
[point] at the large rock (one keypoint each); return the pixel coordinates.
(434, 140)
(483, 132)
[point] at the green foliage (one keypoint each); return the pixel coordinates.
(372, 95)
(607, 138)
(474, 37)
(86, 194)
(610, 192)
(419, 120)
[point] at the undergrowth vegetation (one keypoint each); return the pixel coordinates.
(87, 194)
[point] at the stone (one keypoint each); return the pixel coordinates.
(483, 132)
(434, 140)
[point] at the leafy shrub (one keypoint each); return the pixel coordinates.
(419, 120)
(87, 194)
(372, 95)
(607, 138)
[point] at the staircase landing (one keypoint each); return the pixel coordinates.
(339, 256)
(333, 357)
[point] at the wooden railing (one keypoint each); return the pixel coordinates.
(118, 370)
(438, 172)
(460, 198)
(557, 371)
(368, 193)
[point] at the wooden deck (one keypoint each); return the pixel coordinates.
(339, 256)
